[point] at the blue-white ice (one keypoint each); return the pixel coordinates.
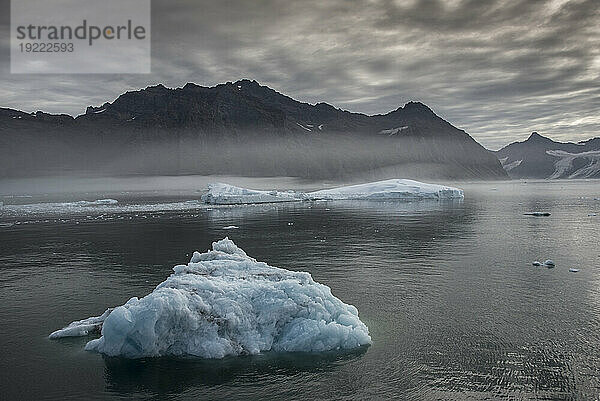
(82, 327)
(101, 206)
(394, 189)
(226, 303)
(225, 194)
(388, 190)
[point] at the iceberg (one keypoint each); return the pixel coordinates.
(225, 194)
(394, 189)
(222, 303)
(389, 190)
(94, 203)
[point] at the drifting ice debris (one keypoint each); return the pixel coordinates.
(394, 189)
(225, 303)
(572, 270)
(549, 263)
(537, 214)
(536, 263)
(82, 327)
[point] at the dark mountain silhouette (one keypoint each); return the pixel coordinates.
(238, 128)
(541, 157)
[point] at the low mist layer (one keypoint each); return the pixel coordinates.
(313, 157)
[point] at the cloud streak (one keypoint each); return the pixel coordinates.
(498, 69)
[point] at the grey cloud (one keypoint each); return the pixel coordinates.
(498, 69)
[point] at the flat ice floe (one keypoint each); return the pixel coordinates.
(389, 190)
(226, 303)
(225, 194)
(394, 189)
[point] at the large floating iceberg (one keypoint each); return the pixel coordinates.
(225, 194)
(389, 189)
(394, 189)
(226, 303)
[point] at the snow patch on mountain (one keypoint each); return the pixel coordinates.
(510, 166)
(304, 127)
(393, 131)
(564, 165)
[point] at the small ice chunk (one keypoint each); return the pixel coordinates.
(536, 263)
(106, 202)
(224, 302)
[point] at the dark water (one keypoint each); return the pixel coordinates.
(452, 302)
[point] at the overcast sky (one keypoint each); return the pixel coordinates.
(498, 69)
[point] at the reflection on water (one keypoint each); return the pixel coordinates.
(453, 304)
(173, 375)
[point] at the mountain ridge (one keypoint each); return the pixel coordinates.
(234, 114)
(541, 157)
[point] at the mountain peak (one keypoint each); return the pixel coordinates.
(537, 138)
(416, 105)
(413, 106)
(157, 87)
(247, 81)
(542, 157)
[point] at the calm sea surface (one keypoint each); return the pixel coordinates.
(453, 304)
